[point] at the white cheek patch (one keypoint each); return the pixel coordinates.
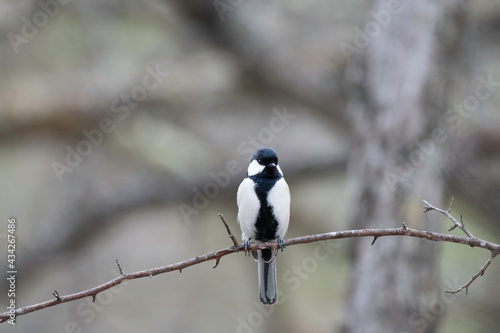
(279, 169)
(255, 168)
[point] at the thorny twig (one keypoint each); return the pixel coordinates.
(480, 273)
(462, 227)
(235, 241)
(447, 212)
(217, 255)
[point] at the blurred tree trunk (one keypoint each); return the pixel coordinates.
(396, 161)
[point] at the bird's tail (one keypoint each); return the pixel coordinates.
(267, 277)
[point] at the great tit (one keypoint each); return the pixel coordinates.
(263, 214)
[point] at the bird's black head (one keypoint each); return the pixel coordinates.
(265, 163)
(266, 156)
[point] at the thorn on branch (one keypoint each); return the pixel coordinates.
(406, 229)
(235, 241)
(119, 267)
(216, 262)
(451, 205)
(373, 241)
(56, 295)
(93, 298)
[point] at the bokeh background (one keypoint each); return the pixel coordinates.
(126, 126)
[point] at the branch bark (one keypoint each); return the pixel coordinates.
(217, 255)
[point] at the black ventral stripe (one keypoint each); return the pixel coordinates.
(266, 225)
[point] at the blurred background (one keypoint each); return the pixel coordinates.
(126, 126)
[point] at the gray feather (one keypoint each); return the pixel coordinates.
(267, 277)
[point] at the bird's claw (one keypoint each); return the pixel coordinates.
(281, 243)
(246, 245)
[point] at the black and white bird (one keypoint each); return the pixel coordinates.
(263, 214)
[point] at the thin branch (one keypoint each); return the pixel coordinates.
(235, 242)
(480, 273)
(217, 255)
(460, 225)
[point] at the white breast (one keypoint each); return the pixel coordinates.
(279, 199)
(248, 208)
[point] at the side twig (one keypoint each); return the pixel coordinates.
(235, 242)
(460, 225)
(480, 273)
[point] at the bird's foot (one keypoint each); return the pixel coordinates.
(246, 245)
(281, 243)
